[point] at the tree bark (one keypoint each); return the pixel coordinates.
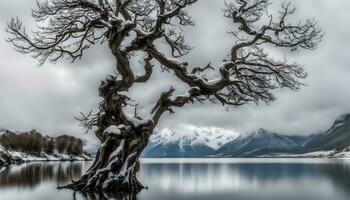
(117, 161)
(115, 166)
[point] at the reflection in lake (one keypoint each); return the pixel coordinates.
(249, 179)
(32, 174)
(198, 179)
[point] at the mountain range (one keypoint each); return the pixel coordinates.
(188, 141)
(191, 141)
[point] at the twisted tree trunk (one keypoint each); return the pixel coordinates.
(247, 75)
(123, 138)
(115, 166)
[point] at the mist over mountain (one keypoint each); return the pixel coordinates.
(336, 137)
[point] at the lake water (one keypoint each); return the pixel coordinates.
(195, 179)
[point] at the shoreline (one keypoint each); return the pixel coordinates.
(20, 158)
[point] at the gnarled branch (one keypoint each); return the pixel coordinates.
(249, 74)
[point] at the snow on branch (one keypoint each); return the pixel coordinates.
(66, 28)
(250, 73)
(113, 130)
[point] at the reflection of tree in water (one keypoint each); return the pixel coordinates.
(32, 174)
(336, 172)
(105, 196)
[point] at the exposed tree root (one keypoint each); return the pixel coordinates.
(114, 169)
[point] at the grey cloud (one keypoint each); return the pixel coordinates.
(48, 98)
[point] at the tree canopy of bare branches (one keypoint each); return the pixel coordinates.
(66, 28)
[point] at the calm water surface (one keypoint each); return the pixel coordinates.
(195, 179)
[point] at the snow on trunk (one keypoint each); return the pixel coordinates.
(115, 166)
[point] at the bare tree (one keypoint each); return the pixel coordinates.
(66, 28)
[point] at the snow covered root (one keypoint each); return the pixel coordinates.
(114, 169)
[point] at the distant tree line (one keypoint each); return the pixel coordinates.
(34, 142)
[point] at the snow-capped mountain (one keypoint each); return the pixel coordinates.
(191, 141)
(192, 135)
(188, 141)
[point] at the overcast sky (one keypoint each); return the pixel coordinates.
(47, 98)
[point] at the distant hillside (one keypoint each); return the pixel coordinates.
(32, 145)
(259, 143)
(34, 142)
(336, 137)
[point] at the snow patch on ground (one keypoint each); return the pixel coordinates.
(314, 154)
(47, 157)
(17, 156)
